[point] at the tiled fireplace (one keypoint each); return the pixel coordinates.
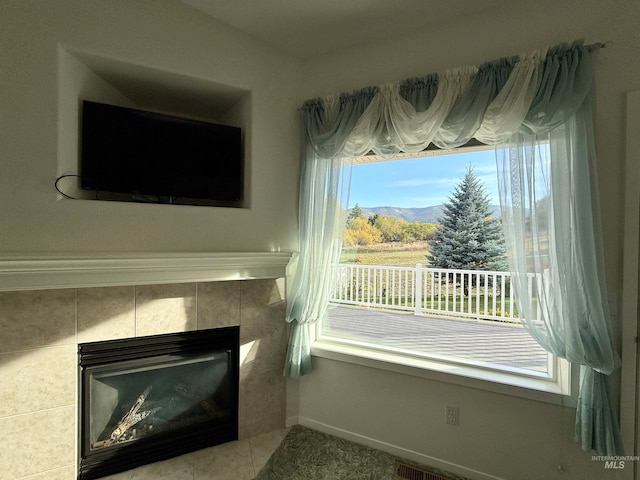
(39, 335)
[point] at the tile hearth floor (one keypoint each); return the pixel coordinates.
(239, 460)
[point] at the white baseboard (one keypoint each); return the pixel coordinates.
(391, 449)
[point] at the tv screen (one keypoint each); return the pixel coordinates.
(135, 155)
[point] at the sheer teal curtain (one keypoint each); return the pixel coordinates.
(323, 215)
(550, 212)
(536, 108)
(549, 198)
(324, 190)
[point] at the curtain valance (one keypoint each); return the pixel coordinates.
(529, 93)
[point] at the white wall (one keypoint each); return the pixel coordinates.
(41, 80)
(499, 435)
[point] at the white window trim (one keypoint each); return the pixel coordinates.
(558, 389)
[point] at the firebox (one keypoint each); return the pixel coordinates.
(151, 398)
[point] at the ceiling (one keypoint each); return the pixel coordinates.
(308, 28)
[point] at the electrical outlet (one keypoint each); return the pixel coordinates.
(452, 415)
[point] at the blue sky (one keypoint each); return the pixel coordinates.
(419, 182)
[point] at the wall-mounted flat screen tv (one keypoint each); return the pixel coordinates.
(140, 156)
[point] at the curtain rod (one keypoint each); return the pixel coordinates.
(605, 44)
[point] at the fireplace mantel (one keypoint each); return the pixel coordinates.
(37, 272)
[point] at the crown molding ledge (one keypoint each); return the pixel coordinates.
(50, 271)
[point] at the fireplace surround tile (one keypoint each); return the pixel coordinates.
(106, 313)
(263, 306)
(267, 351)
(165, 308)
(262, 385)
(262, 401)
(260, 425)
(262, 394)
(64, 473)
(262, 321)
(219, 304)
(32, 319)
(35, 380)
(37, 442)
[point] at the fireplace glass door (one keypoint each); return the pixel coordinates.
(132, 403)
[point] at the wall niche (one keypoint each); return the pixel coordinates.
(86, 76)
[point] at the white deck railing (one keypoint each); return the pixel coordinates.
(467, 293)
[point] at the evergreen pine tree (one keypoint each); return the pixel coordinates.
(468, 238)
(356, 212)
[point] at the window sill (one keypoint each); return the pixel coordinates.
(506, 383)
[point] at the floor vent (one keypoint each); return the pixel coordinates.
(404, 471)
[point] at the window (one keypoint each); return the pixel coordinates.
(408, 290)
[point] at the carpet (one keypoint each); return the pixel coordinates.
(307, 454)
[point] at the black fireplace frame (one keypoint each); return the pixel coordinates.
(123, 457)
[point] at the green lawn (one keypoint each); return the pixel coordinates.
(398, 254)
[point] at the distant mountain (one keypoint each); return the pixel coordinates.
(424, 214)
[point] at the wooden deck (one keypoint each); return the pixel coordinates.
(467, 339)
